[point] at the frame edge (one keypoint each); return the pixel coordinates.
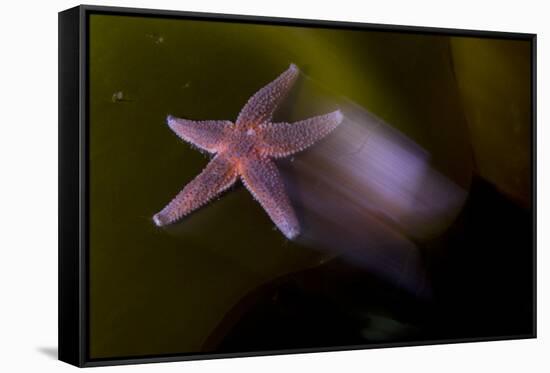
(69, 248)
(72, 176)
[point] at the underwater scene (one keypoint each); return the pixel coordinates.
(259, 187)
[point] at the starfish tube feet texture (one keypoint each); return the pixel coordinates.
(246, 149)
(213, 180)
(206, 135)
(261, 177)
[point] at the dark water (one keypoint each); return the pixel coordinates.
(161, 291)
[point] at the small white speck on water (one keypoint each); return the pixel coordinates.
(157, 39)
(118, 96)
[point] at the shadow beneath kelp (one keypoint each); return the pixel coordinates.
(338, 303)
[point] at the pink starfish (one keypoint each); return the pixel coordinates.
(246, 149)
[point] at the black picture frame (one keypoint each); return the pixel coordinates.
(73, 174)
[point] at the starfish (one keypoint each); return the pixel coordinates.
(246, 149)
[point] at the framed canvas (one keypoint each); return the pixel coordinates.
(238, 186)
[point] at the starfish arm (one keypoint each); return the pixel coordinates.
(262, 178)
(218, 175)
(207, 135)
(284, 139)
(262, 105)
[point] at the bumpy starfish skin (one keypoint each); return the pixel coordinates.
(245, 149)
